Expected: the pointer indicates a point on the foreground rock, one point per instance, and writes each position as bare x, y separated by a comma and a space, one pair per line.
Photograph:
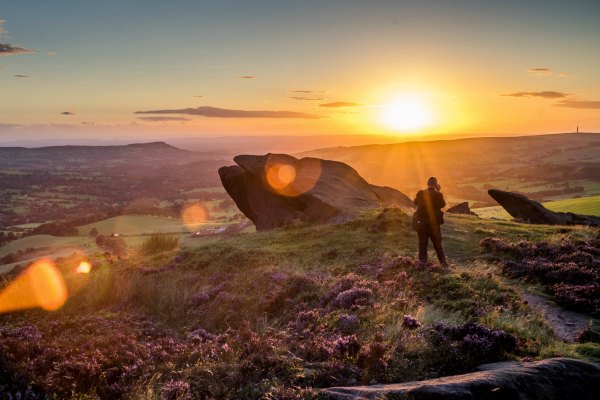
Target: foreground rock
276, 189
552, 379
520, 207
461, 208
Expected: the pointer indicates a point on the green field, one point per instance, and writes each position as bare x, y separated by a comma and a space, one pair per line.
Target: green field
44, 241
134, 229
584, 205
136, 225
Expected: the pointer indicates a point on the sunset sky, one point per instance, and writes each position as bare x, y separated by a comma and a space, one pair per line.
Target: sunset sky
140, 67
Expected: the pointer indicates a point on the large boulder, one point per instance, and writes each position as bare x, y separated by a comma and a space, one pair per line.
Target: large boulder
275, 189
552, 379
461, 208
520, 207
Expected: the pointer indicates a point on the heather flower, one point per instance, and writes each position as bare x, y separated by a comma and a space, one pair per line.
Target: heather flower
305, 320
203, 297
201, 335
176, 390
410, 322
353, 297
28, 333
371, 269
347, 323
199, 299
279, 276
346, 345
475, 340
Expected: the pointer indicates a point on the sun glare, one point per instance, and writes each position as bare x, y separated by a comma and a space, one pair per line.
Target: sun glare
194, 215
406, 113
41, 285
83, 268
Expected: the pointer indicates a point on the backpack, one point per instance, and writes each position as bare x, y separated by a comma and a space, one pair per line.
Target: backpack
417, 222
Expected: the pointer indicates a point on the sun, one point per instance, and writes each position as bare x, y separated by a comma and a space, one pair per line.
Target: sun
406, 113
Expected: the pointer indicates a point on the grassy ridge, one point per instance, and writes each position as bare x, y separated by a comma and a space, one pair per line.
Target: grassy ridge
253, 315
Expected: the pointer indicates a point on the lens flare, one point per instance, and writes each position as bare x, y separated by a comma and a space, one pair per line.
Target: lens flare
290, 177
194, 215
41, 285
281, 175
84, 267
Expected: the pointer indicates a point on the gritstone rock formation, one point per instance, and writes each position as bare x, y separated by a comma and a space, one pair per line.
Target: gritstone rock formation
461, 208
552, 379
275, 189
520, 207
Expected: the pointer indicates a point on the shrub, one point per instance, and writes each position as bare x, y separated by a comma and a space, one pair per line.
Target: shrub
158, 243
470, 344
570, 269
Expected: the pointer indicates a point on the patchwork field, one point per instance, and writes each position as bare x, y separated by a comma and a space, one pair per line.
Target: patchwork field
135, 225
43, 242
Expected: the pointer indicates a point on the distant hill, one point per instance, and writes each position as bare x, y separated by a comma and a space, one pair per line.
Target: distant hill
140, 154
545, 166
90, 183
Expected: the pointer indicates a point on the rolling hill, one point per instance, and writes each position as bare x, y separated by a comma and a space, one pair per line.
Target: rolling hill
141, 154
545, 167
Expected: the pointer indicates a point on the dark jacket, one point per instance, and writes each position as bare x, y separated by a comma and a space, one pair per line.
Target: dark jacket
429, 204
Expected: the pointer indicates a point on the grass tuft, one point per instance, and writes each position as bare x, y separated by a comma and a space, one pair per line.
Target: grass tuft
158, 243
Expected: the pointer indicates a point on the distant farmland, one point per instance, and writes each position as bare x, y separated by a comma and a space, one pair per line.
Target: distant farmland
135, 225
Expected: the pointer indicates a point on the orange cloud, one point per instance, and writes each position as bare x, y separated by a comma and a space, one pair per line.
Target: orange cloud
338, 104
306, 98
163, 119
216, 112
539, 72
308, 91
582, 104
546, 94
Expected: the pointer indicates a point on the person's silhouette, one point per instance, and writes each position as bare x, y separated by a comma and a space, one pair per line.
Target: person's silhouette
428, 218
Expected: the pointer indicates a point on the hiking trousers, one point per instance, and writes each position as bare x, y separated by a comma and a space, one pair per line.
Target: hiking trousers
433, 232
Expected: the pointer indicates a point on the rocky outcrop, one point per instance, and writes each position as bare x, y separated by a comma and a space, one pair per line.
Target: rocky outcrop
520, 207
552, 379
461, 208
275, 189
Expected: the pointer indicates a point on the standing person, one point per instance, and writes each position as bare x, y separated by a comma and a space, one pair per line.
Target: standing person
428, 218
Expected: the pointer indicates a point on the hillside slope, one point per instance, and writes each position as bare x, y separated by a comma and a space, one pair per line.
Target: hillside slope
545, 166
277, 314
145, 154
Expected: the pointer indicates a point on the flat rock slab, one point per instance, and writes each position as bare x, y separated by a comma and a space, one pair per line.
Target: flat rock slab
461, 208
522, 208
551, 379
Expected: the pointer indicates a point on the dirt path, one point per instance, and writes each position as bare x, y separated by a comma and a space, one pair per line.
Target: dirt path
566, 324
